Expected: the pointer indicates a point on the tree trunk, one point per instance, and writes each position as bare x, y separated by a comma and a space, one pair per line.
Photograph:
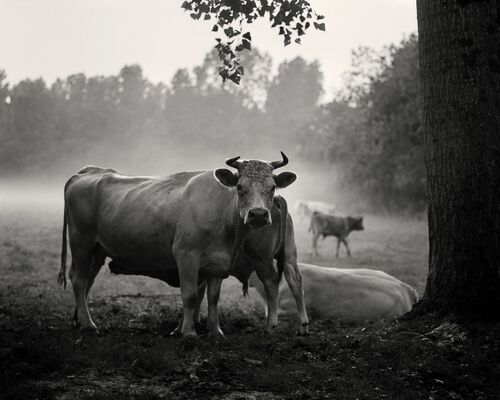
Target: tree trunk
459, 47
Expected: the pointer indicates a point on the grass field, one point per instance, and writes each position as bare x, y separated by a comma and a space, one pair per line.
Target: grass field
134, 356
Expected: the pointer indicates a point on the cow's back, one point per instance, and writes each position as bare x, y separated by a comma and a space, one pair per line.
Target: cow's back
132, 217
328, 225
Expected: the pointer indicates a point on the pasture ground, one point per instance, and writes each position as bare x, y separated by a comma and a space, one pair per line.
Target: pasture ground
135, 358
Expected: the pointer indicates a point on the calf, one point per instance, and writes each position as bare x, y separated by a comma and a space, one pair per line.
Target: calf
329, 225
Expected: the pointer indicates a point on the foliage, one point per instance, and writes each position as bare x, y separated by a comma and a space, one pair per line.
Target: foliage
292, 17
127, 121
372, 132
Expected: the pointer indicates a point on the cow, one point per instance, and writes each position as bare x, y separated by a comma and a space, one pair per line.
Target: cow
275, 241
347, 294
304, 208
329, 225
187, 229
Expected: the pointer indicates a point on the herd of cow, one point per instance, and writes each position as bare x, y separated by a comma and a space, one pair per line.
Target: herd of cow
193, 229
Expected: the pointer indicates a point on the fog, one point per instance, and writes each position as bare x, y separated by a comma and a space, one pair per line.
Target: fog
316, 181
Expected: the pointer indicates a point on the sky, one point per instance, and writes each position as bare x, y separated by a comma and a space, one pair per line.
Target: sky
56, 38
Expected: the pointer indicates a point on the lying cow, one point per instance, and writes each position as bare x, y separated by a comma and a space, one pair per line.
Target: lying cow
329, 225
348, 294
307, 208
186, 229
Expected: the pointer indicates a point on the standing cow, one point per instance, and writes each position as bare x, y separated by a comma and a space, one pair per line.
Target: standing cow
329, 225
261, 248
186, 228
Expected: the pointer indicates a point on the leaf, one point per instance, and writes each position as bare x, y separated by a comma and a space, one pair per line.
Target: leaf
187, 6
215, 28
235, 77
298, 40
321, 26
320, 17
195, 15
247, 45
247, 36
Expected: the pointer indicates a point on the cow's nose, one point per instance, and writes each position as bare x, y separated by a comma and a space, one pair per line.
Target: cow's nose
260, 213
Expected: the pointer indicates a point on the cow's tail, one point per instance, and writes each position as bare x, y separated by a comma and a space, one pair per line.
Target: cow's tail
280, 257
61, 277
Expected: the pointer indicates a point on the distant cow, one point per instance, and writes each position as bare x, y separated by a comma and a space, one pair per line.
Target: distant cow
307, 208
186, 229
329, 225
348, 294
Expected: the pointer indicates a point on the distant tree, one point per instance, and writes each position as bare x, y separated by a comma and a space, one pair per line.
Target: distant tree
4, 103
29, 141
292, 17
372, 132
252, 90
292, 98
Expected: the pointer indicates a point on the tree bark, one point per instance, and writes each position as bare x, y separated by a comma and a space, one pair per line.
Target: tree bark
459, 50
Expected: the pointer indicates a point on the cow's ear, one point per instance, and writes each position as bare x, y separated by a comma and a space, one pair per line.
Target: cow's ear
225, 177
284, 179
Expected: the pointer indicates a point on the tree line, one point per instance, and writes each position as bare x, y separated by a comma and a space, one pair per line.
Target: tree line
370, 132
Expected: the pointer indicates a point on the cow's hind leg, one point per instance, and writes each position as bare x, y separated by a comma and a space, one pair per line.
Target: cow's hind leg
338, 247
80, 274
98, 259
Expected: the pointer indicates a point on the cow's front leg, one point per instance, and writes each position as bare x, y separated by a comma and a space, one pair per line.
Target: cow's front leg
344, 240
189, 265
294, 279
270, 279
201, 294
202, 287
213, 294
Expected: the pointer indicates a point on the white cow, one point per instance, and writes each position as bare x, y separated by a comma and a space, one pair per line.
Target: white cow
348, 294
306, 208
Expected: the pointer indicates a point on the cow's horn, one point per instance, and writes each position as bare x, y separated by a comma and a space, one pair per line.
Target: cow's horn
279, 164
233, 162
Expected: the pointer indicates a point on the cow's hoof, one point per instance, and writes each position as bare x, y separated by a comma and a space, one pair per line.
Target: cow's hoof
216, 335
190, 335
271, 329
303, 331
86, 333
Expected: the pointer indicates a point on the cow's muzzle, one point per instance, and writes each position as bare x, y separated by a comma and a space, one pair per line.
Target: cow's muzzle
258, 217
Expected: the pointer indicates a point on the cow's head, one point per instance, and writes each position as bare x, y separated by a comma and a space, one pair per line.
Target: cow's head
255, 184
355, 223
